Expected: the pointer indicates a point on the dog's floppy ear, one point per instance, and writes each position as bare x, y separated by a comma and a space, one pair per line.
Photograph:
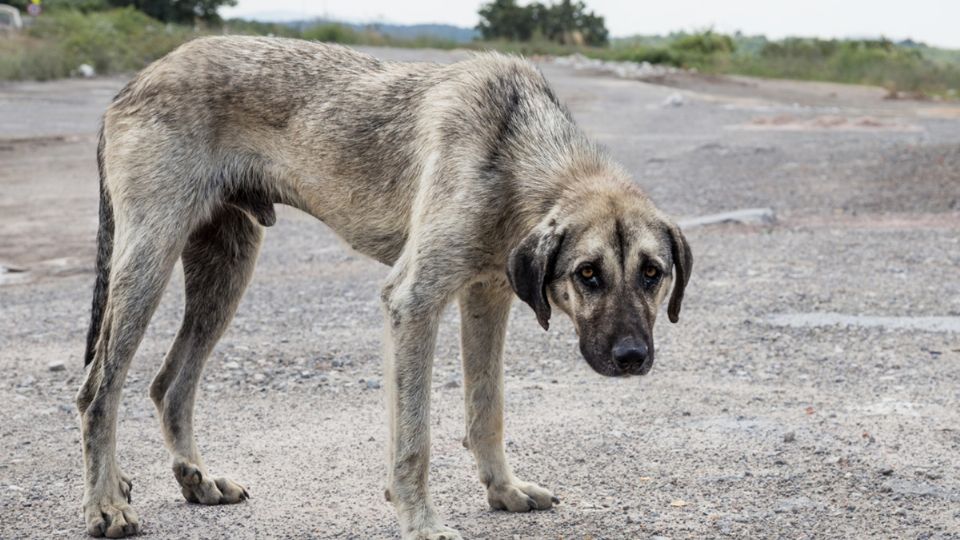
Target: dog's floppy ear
531, 267
683, 262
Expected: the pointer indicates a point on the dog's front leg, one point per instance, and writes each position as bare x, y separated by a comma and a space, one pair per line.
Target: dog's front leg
411, 317
484, 308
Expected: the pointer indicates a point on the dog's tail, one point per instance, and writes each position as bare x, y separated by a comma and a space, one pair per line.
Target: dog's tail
104, 253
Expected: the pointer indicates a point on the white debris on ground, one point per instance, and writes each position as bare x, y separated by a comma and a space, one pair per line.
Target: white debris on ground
86, 71
747, 216
624, 70
674, 100
12, 274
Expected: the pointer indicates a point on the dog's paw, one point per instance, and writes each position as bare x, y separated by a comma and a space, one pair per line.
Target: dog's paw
111, 518
437, 532
518, 496
201, 488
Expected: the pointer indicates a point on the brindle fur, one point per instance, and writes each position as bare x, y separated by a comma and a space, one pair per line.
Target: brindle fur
471, 180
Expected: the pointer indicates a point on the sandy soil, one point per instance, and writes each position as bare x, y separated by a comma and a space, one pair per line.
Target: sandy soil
751, 425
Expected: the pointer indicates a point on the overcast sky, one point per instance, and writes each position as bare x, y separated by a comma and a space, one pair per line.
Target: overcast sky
934, 21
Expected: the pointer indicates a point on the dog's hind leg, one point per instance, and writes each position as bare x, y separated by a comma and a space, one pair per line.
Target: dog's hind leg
218, 262
144, 254
484, 308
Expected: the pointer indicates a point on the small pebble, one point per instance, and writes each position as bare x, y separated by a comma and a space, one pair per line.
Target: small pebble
789, 437
56, 365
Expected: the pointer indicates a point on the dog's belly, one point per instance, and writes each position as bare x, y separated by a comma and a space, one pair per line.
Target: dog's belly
383, 246
370, 216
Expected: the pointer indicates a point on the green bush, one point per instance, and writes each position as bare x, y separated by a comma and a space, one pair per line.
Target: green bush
110, 41
703, 43
874, 62
652, 55
332, 33
54, 5
701, 50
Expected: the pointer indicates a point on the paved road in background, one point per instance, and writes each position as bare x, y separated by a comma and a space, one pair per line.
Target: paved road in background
808, 391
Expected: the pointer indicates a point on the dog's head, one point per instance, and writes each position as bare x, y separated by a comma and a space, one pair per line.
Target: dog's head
608, 261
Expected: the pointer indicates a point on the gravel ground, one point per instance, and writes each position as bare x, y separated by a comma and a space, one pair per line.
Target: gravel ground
749, 426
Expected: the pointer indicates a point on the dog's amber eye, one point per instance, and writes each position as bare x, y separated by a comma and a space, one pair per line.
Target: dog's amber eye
651, 272
589, 276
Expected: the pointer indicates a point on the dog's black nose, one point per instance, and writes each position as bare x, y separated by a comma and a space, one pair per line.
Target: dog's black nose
630, 354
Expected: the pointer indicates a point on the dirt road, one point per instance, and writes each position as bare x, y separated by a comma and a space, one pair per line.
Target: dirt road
811, 389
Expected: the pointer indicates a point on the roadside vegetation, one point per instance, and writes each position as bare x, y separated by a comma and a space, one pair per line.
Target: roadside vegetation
114, 39
905, 67
59, 42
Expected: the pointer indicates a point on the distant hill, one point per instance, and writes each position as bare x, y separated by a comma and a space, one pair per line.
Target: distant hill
446, 32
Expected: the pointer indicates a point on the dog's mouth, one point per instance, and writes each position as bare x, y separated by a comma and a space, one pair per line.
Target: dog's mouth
609, 368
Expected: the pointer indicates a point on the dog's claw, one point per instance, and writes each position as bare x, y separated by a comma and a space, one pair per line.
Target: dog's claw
189, 496
126, 487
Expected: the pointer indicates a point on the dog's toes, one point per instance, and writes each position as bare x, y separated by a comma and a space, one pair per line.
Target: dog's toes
200, 488
231, 492
520, 497
111, 520
96, 526
187, 474
189, 495
436, 532
511, 499
108, 513
543, 497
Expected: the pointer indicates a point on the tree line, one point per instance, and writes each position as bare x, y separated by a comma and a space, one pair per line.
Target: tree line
565, 22
174, 11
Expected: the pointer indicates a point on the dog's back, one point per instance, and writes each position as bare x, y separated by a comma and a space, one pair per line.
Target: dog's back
263, 120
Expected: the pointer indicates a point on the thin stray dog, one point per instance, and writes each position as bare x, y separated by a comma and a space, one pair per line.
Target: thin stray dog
471, 180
